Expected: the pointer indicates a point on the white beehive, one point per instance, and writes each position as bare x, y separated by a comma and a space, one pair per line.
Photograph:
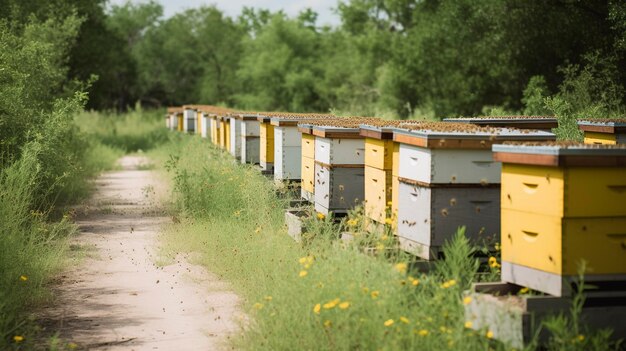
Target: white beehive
235, 138
250, 133
189, 120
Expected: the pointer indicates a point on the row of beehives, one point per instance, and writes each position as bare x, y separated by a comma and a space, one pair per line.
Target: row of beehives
555, 204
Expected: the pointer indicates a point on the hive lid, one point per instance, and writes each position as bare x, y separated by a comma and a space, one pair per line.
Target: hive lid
245, 116
340, 127
448, 135
521, 122
293, 120
383, 129
560, 154
610, 126
173, 110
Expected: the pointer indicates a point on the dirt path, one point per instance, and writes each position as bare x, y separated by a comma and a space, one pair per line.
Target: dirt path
117, 298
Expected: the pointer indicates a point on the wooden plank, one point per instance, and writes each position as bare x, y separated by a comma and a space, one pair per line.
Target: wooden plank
374, 134
562, 160
526, 159
450, 185
340, 165
336, 135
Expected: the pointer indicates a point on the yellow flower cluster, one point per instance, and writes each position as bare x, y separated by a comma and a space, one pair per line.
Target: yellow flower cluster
331, 304
352, 222
493, 262
306, 263
448, 284
23, 278
321, 216
400, 267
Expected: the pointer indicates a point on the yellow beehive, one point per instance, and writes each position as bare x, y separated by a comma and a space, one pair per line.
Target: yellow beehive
266, 156
604, 131
562, 204
180, 119
226, 124
381, 167
308, 163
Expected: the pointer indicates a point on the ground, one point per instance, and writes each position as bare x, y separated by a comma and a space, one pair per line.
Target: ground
117, 297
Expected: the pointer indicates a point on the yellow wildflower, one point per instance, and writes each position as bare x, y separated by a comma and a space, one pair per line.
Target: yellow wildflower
328, 324
302, 260
450, 283
320, 216
580, 338
23, 278
237, 213
72, 346
18, 338
257, 230
375, 294
405, 320
258, 306
415, 282
388, 221
489, 334
317, 308
268, 298
389, 203
493, 262
400, 267
366, 290
497, 246
468, 324
524, 290
388, 322
331, 304
352, 223
344, 305
303, 274
467, 300
380, 247
422, 332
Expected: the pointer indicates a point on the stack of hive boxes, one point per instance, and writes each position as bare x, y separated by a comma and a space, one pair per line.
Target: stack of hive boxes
189, 119
339, 164
605, 131
288, 143
381, 169
562, 203
447, 179
307, 169
235, 137
266, 143
545, 123
250, 133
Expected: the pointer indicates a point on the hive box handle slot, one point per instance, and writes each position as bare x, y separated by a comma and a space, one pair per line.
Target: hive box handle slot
530, 236
617, 188
483, 163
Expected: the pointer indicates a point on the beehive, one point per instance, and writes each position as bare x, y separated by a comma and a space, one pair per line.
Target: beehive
215, 129
545, 123
226, 124
380, 180
180, 124
339, 156
250, 132
562, 203
288, 143
235, 137
266, 143
307, 189
447, 178
205, 125
189, 120
604, 131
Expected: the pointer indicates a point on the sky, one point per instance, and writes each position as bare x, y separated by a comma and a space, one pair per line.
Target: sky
233, 7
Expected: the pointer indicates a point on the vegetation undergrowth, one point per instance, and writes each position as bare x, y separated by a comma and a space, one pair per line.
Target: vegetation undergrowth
324, 293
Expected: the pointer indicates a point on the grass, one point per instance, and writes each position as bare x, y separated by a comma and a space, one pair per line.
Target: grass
322, 294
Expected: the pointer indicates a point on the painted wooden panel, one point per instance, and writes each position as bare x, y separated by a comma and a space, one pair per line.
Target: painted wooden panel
448, 166
308, 174
308, 146
338, 189
266, 144
227, 135
340, 151
558, 245
565, 192
235, 138
198, 121
287, 163
379, 153
222, 133
395, 166
600, 138
250, 128
205, 126
250, 150
181, 123
430, 216
377, 193
288, 135
189, 121
395, 189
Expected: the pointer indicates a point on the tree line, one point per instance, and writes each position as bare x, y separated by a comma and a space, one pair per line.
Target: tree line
404, 57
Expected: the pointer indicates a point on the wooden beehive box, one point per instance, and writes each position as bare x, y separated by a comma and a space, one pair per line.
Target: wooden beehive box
339, 167
545, 123
266, 143
235, 137
189, 120
288, 143
562, 203
381, 178
447, 178
307, 173
604, 131
250, 133
215, 129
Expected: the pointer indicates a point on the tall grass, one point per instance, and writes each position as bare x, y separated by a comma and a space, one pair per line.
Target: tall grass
323, 294
31, 248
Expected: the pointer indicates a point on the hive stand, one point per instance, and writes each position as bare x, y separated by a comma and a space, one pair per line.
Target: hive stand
545, 123
448, 179
515, 318
608, 131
